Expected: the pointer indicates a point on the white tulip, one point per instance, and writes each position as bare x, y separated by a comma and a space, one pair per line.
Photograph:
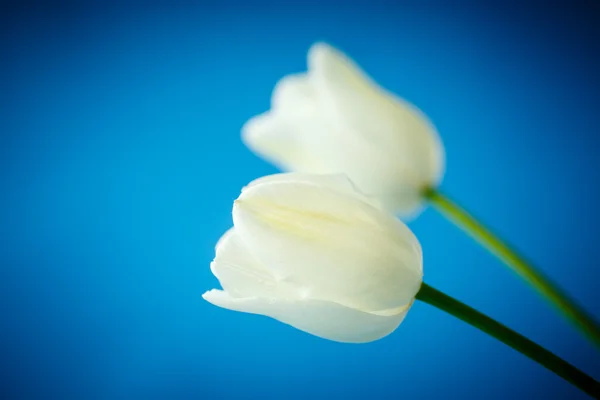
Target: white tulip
313, 252
335, 119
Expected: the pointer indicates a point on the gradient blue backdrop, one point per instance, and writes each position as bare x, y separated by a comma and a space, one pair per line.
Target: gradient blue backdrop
120, 158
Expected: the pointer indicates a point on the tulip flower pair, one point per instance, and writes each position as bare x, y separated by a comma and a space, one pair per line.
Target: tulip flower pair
320, 249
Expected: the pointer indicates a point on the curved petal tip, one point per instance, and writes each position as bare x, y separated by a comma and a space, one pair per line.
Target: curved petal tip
320, 53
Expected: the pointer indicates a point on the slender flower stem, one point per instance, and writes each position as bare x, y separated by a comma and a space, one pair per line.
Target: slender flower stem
434, 297
577, 315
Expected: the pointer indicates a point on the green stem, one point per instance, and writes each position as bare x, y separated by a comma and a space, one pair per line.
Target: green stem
434, 297
577, 315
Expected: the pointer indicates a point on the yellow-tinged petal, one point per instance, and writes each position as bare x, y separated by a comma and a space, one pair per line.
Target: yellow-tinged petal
336, 182
333, 243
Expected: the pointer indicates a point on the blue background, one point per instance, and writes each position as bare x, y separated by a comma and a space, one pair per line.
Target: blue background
120, 157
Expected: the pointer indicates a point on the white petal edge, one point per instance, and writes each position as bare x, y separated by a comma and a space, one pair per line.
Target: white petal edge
327, 320
290, 143
338, 182
324, 59
290, 134
241, 275
294, 95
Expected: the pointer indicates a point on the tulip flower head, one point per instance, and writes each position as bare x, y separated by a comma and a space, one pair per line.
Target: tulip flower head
313, 252
335, 119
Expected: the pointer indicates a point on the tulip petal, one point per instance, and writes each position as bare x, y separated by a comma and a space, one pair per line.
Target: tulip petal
363, 105
338, 182
324, 319
284, 142
287, 135
295, 135
294, 95
394, 150
241, 275
312, 235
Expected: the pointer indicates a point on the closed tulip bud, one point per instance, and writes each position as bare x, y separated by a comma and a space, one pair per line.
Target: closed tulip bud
313, 252
335, 119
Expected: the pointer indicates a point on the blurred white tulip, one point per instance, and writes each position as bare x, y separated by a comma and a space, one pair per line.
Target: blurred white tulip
313, 252
335, 119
